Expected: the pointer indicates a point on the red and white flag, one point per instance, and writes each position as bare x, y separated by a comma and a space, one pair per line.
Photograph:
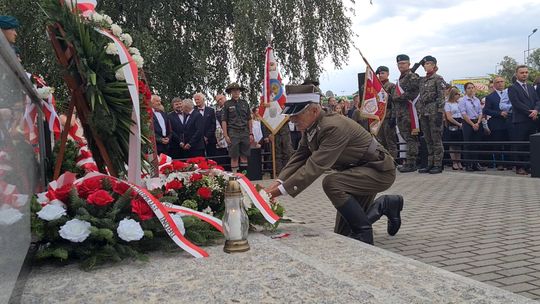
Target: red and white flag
374, 101
273, 97
411, 106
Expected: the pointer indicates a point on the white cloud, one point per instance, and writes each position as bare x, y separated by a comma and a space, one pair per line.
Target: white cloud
468, 38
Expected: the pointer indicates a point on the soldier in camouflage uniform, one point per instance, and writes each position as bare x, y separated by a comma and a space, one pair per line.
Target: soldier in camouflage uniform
387, 133
430, 107
407, 91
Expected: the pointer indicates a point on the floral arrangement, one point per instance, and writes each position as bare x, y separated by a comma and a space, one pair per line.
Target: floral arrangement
99, 219
106, 90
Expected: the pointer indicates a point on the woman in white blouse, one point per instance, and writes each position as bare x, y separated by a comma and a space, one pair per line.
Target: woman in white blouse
453, 132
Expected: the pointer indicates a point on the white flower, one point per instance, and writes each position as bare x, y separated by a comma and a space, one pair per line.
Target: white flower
208, 210
177, 219
134, 51
97, 17
120, 76
265, 195
9, 216
116, 29
126, 38
51, 212
107, 19
75, 230
58, 203
111, 49
42, 198
44, 92
138, 60
130, 230
153, 183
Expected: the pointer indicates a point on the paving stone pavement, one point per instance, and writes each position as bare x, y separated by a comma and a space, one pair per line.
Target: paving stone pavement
485, 227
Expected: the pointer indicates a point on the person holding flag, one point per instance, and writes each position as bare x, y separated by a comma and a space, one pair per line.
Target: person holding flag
404, 97
362, 166
387, 134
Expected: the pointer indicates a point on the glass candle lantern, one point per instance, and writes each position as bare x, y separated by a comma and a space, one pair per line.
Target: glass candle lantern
235, 219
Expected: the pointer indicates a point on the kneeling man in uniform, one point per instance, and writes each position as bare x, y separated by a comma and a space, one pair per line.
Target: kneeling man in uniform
361, 166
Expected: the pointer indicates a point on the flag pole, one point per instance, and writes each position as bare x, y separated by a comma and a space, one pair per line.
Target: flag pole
274, 156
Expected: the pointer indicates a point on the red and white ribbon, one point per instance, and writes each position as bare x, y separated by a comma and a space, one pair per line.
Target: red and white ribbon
257, 199
411, 106
215, 222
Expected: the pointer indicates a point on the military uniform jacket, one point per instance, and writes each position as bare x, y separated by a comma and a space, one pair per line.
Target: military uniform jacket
237, 115
409, 83
333, 142
389, 88
431, 98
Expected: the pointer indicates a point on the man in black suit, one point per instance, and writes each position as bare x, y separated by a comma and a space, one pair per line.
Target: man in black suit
177, 139
497, 122
162, 127
209, 124
193, 126
525, 105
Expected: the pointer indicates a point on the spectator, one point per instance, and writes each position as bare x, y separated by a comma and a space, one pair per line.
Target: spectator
354, 106
209, 124
220, 102
340, 108
537, 86
162, 127
471, 110
453, 131
498, 119
193, 125
176, 119
221, 143
237, 127
332, 103
9, 26
526, 105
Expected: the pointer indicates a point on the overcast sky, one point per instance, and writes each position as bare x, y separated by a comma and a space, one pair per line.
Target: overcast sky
468, 37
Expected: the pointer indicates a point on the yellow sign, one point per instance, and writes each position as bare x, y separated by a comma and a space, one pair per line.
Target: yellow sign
481, 83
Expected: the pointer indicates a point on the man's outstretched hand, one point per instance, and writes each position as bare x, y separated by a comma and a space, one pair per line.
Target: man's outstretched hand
273, 190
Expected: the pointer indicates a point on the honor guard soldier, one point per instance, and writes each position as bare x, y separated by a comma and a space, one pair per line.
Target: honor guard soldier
430, 107
362, 166
387, 134
405, 92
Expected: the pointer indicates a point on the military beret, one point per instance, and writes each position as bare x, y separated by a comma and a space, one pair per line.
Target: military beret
429, 58
298, 97
8, 22
382, 68
402, 57
234, 86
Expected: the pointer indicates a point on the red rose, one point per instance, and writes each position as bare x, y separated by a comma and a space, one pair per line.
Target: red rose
196, 160
141, 208
204, 193
219, 168
165, 169
120, 187
100, 198
203, 165
61, 193
211, 162
174, 185
195, 177
89, 186
179, 165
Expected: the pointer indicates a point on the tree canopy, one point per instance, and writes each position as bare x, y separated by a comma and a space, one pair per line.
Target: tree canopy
202, 45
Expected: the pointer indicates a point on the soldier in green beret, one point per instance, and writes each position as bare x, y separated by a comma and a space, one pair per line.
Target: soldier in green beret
362, 167
387, 134
237, 127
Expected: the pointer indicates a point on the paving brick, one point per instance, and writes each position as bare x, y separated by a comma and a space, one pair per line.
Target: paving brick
457, 267
484, 269
515, 279
488, 276
488, 262
515, 264
515, 271
520, 287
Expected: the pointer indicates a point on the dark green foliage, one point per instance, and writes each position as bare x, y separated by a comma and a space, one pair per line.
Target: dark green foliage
70, 158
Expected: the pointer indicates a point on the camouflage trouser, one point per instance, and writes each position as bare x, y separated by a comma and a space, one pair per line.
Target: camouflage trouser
404, 125
387, 137
431, 127
283, 148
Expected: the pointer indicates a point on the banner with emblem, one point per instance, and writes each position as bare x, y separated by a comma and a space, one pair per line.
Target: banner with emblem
273, 94
374, 101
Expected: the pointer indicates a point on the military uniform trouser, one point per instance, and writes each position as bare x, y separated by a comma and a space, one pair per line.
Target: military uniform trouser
362, 183
283, 149
388, 138
431, 127
404, 125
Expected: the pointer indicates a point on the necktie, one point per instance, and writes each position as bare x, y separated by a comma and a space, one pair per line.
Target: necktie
525, 88
186, 116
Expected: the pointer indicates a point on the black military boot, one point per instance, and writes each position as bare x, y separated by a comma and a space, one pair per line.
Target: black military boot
407, 168
355, 216
389, 205
436, 170
425, 169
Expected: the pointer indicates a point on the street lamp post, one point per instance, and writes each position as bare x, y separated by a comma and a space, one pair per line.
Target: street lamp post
529, 45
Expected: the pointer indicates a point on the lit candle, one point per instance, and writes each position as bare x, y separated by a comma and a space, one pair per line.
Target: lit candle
235, 225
